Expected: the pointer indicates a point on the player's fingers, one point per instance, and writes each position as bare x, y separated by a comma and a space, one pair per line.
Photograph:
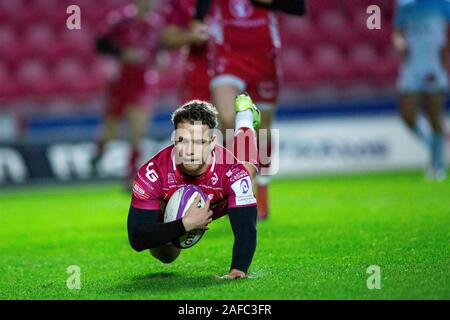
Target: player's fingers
207, 203
196, 201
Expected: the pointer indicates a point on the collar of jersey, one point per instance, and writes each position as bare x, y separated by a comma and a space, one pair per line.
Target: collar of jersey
197, 179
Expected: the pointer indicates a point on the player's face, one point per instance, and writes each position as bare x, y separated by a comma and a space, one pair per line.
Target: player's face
193, 145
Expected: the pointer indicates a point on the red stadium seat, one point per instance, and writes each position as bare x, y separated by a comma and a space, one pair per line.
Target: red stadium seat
298, 31
379, 36
39, 38
297, 70
69, 74
9, 87
33, 77
317, 7
388, 69
7, 37
335, 28
332, 65
364, 60
47, 5
4, 72
77, 41
12, 6
5, 81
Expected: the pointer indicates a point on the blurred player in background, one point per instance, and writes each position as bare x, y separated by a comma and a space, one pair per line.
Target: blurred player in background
195, 158
421, 37
131, 35
246, 59
182, 31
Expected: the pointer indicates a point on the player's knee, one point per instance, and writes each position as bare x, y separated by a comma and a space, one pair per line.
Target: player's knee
167, 259
409, 119
166, 254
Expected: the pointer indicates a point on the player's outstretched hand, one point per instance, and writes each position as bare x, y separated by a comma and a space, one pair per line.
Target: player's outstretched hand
198, 33
197, 218
234, 274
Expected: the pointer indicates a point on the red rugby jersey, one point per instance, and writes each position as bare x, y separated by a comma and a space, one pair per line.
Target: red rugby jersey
226, 182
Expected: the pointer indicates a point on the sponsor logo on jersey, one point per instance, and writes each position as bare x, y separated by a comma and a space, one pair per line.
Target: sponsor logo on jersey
140, 192
238, 174
171, 178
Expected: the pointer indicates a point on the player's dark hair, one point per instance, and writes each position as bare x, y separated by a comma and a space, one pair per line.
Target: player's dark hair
196, 110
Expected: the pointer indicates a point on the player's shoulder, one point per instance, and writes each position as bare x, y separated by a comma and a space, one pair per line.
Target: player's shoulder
235, 180
161, 160
228, 167
150, 176
224, 158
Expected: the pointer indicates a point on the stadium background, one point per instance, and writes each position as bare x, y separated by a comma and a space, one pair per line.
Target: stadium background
337, 112
340, 92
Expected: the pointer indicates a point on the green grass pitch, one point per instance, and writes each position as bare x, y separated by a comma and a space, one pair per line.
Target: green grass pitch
322, 235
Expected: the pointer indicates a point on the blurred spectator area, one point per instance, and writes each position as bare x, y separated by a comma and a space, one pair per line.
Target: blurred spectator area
42, 61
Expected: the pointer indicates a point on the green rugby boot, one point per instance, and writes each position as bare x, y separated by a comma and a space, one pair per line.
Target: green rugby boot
243, 102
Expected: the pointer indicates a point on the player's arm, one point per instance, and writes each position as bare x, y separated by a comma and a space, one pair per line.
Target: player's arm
145, 232
173, 36
242, 213
294, 7
201, 9
445, 51
105, 46
398, 36
243, 224
399, 41
128, 54
144, 229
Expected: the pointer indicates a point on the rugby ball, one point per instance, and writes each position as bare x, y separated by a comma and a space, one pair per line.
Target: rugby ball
176, 207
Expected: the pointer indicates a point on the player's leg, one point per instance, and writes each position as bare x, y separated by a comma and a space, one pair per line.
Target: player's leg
166, 253
434, 104
224, 89
265, 149
247, 121
110, 128
409, 107
111, 121
138, 118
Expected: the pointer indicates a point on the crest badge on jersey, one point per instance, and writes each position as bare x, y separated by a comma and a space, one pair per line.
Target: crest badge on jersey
241, 9
214, 179
242, 189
